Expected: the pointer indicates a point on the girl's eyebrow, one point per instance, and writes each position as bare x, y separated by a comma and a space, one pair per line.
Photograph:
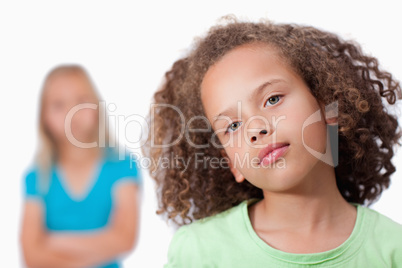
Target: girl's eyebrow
231, 110
256, 92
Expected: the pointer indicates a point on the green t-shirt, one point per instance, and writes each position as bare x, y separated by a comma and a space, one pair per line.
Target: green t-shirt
228, 240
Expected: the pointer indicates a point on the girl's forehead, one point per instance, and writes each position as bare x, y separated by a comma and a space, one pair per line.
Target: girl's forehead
241, 54
67, 84
242, 62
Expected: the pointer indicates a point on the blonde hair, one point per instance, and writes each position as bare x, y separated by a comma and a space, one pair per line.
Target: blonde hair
46, 151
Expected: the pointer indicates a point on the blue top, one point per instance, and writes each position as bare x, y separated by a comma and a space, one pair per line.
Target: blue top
65, 211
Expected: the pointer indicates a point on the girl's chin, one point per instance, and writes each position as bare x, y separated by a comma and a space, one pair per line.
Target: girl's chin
279, 184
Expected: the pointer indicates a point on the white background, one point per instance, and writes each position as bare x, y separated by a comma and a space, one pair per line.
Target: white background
127, 46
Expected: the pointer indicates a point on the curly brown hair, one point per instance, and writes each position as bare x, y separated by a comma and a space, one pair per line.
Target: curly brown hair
333, 69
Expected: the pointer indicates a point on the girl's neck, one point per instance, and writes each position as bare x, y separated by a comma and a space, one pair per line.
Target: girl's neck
69, 154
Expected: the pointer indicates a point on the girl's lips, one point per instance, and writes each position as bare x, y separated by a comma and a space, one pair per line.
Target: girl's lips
272, 152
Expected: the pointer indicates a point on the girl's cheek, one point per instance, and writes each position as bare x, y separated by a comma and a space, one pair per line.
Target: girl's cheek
55, 123
86, 116
315, 136
84, 123
234, 154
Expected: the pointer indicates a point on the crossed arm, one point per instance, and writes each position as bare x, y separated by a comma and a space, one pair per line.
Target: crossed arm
42, 249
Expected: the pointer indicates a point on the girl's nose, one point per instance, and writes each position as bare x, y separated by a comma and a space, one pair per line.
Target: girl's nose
261, 133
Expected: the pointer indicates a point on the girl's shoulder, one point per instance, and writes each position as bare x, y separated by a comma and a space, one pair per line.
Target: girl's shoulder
30, 173
227, 220
208, 236
30, 177
121, 166
33, 187
383, 235
382, 225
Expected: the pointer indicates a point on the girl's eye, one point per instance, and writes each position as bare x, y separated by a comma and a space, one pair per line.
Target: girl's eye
233, 127
272, 100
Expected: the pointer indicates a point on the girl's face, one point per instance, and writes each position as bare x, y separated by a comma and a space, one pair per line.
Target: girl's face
62, 93
255, 101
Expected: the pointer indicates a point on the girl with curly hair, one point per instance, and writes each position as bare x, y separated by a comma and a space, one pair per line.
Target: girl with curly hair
243, 147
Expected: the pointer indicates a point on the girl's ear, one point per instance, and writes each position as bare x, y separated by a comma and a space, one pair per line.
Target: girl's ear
236, 173
330, 113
